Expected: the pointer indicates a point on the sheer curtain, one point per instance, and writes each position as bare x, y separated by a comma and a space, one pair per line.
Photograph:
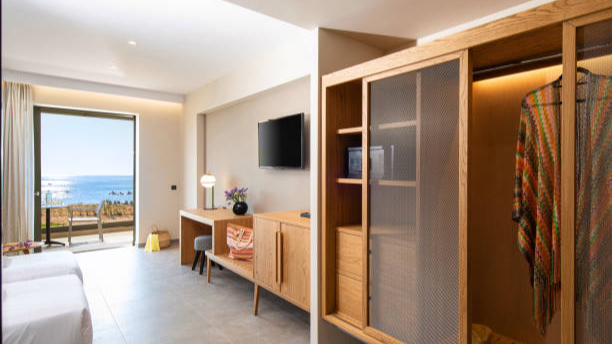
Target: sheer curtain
17, 162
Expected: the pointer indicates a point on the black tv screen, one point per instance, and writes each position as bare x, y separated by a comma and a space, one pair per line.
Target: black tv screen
281, 142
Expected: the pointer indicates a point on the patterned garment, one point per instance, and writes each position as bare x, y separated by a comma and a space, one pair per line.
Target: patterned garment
594, 207
537, 203
537, 199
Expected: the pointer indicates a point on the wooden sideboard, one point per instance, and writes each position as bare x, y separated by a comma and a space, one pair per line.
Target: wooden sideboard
282, 255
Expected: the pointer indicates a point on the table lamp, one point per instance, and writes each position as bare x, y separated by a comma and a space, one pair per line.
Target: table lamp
208, 181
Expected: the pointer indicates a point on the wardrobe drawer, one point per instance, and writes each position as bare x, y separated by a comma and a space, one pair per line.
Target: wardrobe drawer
349, 255
349, 299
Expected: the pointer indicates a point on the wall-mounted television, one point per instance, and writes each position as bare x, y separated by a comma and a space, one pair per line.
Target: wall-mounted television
281, 142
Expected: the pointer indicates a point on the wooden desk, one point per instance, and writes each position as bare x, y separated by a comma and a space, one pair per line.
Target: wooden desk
196, 222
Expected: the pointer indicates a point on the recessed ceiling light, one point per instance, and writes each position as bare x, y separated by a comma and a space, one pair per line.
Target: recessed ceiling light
132, 42
113, 67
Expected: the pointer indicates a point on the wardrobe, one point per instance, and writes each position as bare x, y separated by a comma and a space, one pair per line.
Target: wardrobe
422, 248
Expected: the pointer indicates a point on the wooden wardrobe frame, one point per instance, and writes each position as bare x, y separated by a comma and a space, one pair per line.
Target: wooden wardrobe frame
568, 14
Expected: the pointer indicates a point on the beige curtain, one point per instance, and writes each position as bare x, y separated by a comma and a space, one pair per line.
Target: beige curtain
17, 162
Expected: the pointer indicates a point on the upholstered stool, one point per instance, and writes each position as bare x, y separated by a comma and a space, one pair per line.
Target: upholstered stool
200, 245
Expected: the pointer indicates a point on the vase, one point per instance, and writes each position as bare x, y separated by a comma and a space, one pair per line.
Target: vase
240, 208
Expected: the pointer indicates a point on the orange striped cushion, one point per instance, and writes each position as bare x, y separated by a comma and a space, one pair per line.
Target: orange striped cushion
240, 242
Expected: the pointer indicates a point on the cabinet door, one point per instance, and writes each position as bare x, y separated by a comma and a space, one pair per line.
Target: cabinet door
295, 264
412, 210
590, 141
266, 253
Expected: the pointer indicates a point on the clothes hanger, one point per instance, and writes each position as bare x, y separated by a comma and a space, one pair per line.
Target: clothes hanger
579, 70
557, 84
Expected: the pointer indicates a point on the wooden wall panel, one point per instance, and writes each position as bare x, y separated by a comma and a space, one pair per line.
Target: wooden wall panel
499, 281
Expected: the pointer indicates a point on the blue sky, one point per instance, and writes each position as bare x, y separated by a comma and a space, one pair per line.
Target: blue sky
79, 145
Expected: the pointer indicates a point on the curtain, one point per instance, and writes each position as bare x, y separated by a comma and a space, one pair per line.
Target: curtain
17, 162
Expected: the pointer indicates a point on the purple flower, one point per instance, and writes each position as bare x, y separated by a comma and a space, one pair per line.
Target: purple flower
236, 195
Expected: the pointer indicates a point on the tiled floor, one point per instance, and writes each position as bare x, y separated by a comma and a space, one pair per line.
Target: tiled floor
138, 297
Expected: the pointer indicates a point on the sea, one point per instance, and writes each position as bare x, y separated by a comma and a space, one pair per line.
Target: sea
69, 190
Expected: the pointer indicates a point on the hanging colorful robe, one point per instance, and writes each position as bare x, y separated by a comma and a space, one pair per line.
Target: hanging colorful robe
537, 203
537, 199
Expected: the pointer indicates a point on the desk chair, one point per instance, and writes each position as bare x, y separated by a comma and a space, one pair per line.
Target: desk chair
200, 245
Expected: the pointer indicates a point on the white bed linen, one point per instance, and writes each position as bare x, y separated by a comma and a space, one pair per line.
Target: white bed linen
47, 310
40, 265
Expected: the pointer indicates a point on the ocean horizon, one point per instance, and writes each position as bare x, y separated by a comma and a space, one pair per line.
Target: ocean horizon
86, 189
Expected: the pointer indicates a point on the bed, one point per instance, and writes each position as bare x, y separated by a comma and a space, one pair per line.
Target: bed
40, 265
47, 310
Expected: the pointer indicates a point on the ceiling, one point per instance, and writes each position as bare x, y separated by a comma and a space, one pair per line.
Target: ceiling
402, 18
181, 45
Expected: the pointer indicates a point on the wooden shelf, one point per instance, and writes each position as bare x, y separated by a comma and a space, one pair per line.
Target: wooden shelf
395, 125
349, 181
402, 183
350, 229
241, 267
350, 131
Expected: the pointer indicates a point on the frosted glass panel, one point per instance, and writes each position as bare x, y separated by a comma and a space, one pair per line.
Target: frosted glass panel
413, 211
594, 185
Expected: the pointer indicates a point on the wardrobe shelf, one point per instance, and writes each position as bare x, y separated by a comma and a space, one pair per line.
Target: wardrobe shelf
350, 229
349, 181
395, 125
350, 131
402, 183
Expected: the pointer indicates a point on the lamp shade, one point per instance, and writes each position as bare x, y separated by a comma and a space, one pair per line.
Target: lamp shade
208, 181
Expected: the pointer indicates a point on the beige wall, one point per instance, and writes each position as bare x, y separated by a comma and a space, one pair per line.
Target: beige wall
282, 65
232, 155
159, 163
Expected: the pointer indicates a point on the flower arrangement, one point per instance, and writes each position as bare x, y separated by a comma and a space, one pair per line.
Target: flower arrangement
236, 195
21, 244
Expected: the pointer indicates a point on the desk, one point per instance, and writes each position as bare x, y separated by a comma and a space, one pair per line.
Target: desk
48, 208
196, 222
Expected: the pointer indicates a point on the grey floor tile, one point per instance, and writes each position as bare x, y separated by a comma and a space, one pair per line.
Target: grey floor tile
137, 297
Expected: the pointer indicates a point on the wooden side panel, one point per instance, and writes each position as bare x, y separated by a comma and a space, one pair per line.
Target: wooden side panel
568, 144
189, 230
365, 202
295, 264
264, 246
349, 301
465, 108
349, 254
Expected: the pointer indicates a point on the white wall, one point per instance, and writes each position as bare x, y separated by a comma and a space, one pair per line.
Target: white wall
276, 68
232, 154
159, 161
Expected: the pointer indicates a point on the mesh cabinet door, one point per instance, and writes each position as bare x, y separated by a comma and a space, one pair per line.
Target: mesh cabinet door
593, 191
413, 205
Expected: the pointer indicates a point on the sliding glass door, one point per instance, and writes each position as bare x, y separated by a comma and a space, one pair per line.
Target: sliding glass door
85, 178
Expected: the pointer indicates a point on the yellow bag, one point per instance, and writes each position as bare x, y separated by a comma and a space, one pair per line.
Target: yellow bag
152, 243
